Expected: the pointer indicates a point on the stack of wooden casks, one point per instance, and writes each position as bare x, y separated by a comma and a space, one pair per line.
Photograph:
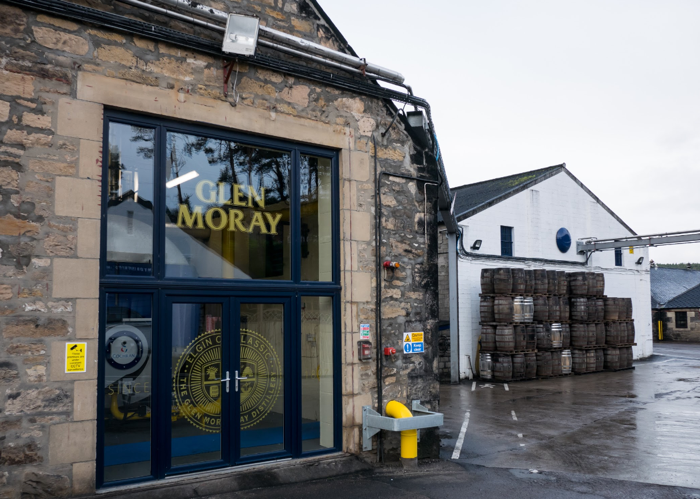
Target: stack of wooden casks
552, 315
599, 325
509, 331
541, 323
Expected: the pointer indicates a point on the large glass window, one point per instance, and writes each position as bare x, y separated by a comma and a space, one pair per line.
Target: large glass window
227, 208
127, 386
317, 372
130, 161
316, 219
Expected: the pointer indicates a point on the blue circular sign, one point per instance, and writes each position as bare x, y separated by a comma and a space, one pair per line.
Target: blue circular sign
563, 240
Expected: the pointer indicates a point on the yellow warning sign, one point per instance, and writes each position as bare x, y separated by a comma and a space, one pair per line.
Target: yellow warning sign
407, 338
416, 337
75, 357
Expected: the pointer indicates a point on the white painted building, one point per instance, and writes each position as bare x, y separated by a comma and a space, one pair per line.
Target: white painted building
531, 208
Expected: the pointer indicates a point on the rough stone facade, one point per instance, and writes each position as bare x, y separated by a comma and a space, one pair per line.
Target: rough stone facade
444, 294
56, 78
671, 331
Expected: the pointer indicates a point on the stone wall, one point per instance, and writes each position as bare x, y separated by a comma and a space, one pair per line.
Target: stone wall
56, 78
671, 332
444, 293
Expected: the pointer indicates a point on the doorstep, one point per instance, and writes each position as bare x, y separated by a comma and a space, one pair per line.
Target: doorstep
254, 476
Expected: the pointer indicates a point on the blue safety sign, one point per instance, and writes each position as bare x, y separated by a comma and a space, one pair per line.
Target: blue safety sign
417, 347
407, 348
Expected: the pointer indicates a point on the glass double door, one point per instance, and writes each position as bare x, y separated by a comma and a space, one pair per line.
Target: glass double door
230, 383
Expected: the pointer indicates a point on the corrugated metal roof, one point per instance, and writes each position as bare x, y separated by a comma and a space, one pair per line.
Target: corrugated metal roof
668, 284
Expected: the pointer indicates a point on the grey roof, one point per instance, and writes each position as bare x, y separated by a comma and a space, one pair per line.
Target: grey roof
669, 284
471, 199
689, 299
489, 192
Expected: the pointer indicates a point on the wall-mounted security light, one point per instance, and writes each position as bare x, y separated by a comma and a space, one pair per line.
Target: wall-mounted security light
640, 260
476, 245
241, 35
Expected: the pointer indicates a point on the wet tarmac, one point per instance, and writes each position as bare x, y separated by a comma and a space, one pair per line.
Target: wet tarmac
641, 425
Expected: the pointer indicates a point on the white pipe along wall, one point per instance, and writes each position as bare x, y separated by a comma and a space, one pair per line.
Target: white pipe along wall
536, 214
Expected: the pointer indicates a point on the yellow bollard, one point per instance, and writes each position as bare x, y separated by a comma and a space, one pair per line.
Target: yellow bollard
409, 438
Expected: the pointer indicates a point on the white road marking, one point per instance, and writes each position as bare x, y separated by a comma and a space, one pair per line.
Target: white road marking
520, 435
474, 386
460, 439
487, 385
522, 445
515, 418
505, 385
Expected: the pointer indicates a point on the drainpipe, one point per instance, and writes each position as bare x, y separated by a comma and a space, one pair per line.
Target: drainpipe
454, 306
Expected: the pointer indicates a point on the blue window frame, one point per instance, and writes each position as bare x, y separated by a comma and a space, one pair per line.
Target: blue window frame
506, 241
138, 283
618, 257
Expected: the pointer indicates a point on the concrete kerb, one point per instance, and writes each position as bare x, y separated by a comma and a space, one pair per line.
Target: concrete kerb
239, 479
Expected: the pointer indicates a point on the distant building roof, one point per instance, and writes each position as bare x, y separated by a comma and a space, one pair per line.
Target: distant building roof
667, 285
689, 299
471, 199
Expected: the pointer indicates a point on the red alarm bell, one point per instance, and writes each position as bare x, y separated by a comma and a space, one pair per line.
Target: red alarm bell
389, 351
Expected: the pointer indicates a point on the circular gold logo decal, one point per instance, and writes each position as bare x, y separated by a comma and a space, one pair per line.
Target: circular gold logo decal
198, 386
198, 382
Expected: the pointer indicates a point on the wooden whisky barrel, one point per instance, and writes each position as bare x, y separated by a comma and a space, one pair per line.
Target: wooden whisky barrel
540, 281
600, 283
590, 361
579, 309
578, 361
556, 363
599, 359
486, 309
544, 364
530, 337
518, 277
551, 282
518, 366
612, 333
565, 313
591, 283
612, 358
544, 336
600, 334
530, 365
579, 335
488, 339
502, 367
554, 309
505, 339
577, 283
591, 334
503, 309
502, 281
529, 281
520, 337
541, 312
487, 281
562, 283
565, 336
599, 310
611, 309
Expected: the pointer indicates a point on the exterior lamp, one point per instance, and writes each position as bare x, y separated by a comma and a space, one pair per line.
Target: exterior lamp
640, 260
241, 35
476, 245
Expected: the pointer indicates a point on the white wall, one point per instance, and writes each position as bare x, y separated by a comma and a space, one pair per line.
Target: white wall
536, 215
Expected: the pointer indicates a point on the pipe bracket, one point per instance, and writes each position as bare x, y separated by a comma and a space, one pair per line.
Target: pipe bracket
372, 422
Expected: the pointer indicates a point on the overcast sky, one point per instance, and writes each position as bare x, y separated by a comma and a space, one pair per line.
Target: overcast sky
609, 87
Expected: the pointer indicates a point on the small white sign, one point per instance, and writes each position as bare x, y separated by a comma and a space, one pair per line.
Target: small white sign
413, 343
364, 331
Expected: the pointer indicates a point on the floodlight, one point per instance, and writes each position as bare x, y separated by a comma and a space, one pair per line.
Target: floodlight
476, 245
241, 35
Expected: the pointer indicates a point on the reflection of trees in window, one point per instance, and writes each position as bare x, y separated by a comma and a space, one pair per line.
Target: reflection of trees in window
243, 165
145, 140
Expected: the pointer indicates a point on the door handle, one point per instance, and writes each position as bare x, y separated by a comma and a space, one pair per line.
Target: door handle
226, 379
236, 377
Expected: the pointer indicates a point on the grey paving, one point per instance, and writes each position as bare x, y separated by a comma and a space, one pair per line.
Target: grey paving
641, 425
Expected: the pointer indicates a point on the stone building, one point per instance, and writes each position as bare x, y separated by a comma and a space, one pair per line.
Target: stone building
675, 304
514, 221
192, 243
